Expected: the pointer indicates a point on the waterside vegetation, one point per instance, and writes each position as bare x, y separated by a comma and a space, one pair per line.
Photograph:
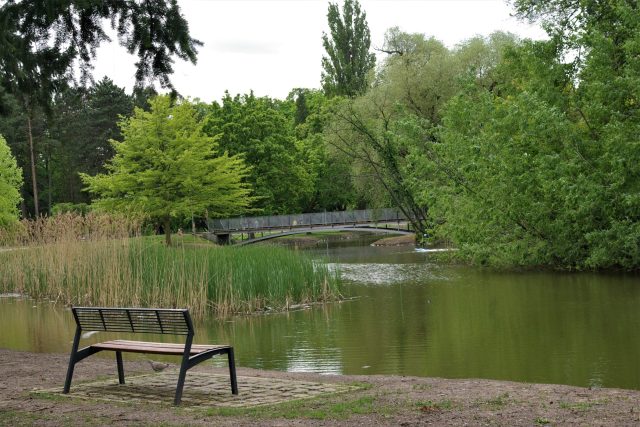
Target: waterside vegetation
138, 271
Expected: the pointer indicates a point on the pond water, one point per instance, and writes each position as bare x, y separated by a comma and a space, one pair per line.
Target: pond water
413, 317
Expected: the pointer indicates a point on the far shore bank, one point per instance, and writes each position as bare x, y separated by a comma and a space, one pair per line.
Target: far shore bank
312, 239
378, 400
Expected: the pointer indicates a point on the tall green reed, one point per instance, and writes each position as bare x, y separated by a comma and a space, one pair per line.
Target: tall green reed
78, 262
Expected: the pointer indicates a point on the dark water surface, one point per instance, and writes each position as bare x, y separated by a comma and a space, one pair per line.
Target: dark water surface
413, 317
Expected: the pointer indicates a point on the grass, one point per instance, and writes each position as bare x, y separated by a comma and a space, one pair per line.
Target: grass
49, 396
340, 406
578, 406
499, 401
16, 418
421, 387
316, 409
91, 266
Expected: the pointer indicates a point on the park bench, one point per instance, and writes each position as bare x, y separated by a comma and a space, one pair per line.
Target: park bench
144, 320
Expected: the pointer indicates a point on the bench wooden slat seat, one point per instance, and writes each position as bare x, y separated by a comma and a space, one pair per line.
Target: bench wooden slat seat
144, 320
155, 347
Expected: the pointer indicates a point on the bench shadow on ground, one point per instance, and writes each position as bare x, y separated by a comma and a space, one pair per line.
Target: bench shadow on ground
202, 389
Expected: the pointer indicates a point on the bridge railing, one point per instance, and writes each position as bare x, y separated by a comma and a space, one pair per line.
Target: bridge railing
254, 223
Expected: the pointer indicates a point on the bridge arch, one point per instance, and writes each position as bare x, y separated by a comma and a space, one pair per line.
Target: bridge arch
357, 220
282, 233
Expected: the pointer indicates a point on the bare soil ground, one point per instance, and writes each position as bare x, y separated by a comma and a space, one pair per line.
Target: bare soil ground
380, 400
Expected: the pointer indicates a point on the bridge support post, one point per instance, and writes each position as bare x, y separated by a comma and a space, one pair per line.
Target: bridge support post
223, 239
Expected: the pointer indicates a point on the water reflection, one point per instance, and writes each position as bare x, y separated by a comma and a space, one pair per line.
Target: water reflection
413, 317
388, 274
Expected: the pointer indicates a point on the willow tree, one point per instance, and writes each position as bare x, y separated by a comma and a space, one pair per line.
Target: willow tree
349, 61
167, 168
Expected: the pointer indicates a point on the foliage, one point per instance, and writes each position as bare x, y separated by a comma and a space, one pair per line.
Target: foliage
40, 41
82, 124
261, 132
10, 182
545, 161
25, 131
13, 128
72, 138
166, 167
349, 60
333, 187
364, 133
389, 133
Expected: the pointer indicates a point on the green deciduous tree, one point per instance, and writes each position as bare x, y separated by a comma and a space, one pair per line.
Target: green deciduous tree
167, 168
390, 131
329, 170
10, 183
349, 61
546, 159
261, 131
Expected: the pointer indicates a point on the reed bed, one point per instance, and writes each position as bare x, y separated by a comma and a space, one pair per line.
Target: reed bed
69, 227
102, 270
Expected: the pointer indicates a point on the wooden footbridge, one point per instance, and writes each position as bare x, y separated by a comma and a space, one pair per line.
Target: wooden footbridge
259, 228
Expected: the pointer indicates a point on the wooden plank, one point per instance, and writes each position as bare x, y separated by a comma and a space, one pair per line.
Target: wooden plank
154, 347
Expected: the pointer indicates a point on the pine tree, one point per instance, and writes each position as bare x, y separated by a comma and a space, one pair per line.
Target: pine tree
41, 40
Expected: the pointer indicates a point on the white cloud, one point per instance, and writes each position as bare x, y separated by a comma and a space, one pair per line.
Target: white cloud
273, 46
242, 47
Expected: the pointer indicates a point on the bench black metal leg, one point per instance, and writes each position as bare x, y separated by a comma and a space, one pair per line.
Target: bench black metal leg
183, 369
120, 367
232, 372
72, 361
180, 386
67, 382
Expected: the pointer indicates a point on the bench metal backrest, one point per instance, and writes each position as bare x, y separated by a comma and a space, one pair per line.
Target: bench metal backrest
145, 320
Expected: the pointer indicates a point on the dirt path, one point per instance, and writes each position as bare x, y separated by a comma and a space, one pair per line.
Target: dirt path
374, 400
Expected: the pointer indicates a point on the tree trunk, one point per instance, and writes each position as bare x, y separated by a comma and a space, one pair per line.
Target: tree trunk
23, 205
166, 224
34, 179
49, 182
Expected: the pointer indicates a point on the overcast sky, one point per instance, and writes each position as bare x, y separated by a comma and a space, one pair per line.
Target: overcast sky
271, 46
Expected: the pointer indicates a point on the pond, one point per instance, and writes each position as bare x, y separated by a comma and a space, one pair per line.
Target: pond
410, 316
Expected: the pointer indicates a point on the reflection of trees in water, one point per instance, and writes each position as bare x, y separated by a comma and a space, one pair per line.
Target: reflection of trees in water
459, 323
31, 326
